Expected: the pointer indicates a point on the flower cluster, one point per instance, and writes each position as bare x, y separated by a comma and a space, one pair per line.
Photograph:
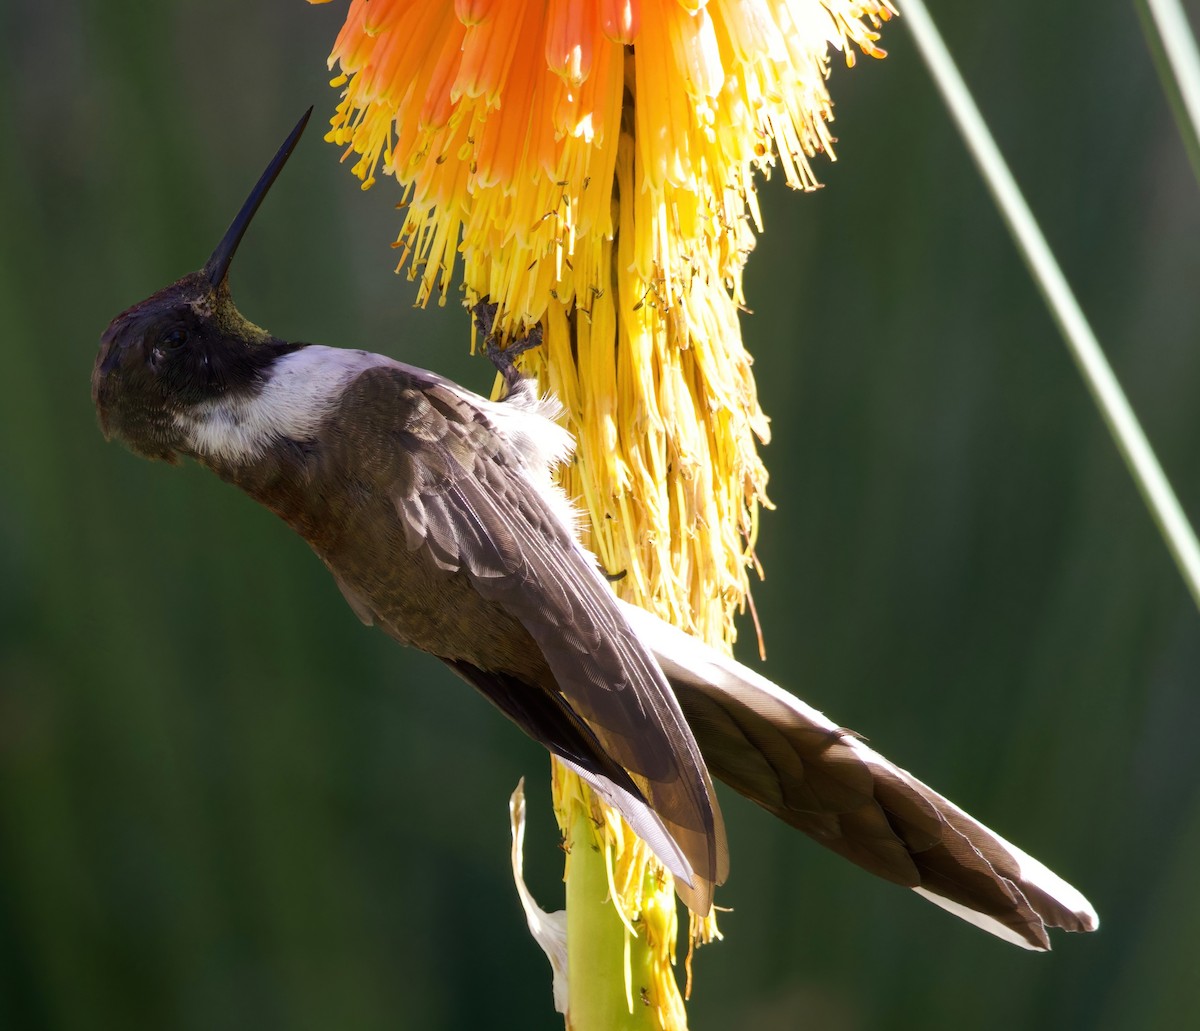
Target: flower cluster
588, 165
503, 119
591, 163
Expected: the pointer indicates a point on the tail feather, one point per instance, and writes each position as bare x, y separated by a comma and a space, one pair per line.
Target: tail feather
794, 762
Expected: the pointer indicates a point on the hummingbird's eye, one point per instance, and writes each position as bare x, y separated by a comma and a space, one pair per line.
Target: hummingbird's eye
173, 338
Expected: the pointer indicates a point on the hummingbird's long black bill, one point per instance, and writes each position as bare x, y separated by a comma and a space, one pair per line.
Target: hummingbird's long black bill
218, 265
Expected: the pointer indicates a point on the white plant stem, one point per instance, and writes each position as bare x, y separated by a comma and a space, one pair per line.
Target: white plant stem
1080, 339
1179, 45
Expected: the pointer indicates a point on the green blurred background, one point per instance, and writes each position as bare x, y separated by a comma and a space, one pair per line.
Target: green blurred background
225, 804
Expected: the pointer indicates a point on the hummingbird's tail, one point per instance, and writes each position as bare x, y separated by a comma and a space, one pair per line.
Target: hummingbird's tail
771, 747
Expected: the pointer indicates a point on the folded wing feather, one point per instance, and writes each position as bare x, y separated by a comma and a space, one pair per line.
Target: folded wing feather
794, 762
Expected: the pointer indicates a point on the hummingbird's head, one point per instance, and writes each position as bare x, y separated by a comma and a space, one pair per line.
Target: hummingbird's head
185, 347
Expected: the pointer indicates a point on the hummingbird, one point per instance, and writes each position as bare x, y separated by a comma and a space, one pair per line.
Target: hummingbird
436, 511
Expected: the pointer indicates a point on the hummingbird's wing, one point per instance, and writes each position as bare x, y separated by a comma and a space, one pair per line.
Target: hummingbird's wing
551, 722
794, 762
470, 502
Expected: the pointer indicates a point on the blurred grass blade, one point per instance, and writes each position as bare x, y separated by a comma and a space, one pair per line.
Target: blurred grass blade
1173, 47
1080, 340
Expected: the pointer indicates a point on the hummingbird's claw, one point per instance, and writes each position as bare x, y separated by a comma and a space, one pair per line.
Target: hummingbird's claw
503, 358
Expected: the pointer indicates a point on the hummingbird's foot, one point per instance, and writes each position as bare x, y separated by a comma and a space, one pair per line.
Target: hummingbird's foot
504, 359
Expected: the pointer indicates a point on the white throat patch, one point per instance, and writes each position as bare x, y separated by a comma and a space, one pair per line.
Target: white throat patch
301, 390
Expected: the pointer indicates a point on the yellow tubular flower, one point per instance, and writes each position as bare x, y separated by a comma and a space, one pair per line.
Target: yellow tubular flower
591, 162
